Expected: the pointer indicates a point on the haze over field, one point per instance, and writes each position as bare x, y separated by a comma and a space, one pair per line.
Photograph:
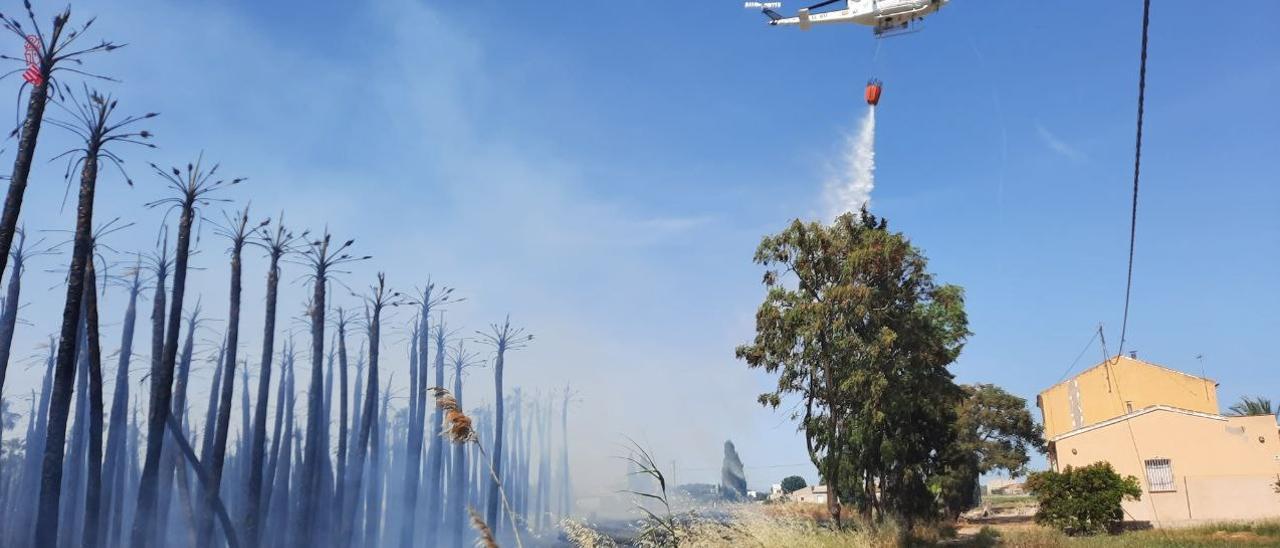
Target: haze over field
604, 175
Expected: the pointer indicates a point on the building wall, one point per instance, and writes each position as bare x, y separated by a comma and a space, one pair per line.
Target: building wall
1118, 386
1223, 467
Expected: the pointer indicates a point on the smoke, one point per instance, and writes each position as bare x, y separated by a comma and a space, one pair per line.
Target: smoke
850, 188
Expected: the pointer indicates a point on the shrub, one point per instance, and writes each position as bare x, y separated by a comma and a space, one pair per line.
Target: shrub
1083, 500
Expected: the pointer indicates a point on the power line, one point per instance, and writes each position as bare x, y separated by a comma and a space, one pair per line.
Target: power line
1081, 354
1137, 165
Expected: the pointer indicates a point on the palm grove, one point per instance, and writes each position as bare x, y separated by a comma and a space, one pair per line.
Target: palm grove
319, 455
860, 335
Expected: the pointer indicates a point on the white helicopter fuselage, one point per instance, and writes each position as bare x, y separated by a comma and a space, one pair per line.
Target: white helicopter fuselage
881, 14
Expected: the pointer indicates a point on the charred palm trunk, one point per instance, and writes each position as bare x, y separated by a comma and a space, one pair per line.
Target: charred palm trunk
315, 450
267, 487
413, 445
238, 235
162, 389
494, 494
21, 517
253, 513
435, 456
9, 316
211, 409
26, 152
93, 489
46, 530
369, 415
458, 473
113, 467
73, 468
341, 470
566, 487
381, 456
171, 459
277, 511
192, 188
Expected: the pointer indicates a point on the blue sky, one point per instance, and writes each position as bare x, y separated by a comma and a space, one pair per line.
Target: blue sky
603, 171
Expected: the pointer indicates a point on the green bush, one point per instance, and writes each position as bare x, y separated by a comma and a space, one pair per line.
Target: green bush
1083, 500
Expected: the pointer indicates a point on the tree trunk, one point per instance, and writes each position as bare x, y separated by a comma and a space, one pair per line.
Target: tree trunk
495, 488
566, 485
180, 441
413, 445
73, 468
455, 520
367, 419
46, 531
22, 165
9, 317
267, 487
225, 398
170, 459
93, 491
253, 507
211, 410
162, 388
341, 471
435, 456
315, 451
117, 430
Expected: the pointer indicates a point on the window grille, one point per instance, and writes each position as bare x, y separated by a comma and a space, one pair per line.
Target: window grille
1159, 475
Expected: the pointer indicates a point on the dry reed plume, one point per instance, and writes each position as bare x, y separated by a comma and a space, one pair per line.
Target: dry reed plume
486, 535
457, 429
457, 425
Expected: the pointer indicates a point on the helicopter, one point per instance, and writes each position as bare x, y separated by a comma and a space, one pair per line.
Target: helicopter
886, 17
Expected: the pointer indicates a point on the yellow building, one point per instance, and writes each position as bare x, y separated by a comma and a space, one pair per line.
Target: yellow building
1163, 427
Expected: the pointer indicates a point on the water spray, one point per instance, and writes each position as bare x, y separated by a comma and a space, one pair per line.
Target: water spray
851, 189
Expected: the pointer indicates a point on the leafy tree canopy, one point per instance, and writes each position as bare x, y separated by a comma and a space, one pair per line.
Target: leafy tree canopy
855, 326
791, 484
993, 431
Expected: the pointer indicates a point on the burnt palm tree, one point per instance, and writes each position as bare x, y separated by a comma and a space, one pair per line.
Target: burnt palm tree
50, 53
378, 299
93, 491
343, 434
429, 298
192, 188
502, 338
280, 431
323, 256
9, 314
113, 466
277, 242
237, 230
93, 120
458, 475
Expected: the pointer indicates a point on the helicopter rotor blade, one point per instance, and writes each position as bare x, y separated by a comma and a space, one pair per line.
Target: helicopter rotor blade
822, 4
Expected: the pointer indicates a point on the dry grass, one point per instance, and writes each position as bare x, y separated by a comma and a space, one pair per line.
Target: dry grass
581, 535
816, 513
782, 525
1266, 533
